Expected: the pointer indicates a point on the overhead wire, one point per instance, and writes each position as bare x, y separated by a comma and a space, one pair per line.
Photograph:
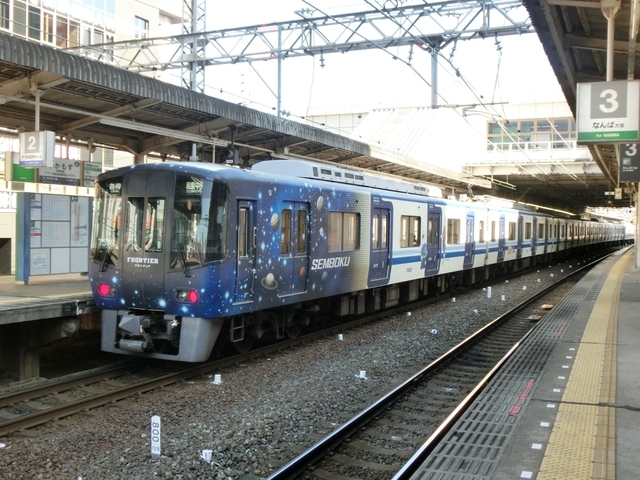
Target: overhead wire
544, 174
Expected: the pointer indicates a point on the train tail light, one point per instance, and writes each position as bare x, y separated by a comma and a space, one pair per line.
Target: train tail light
106, 290
187, 296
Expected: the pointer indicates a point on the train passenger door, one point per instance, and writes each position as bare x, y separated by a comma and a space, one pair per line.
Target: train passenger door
534, 236
294, 247
434, 228
470, 244
144, 248
520, 236
246, 268
379, 263
502, 239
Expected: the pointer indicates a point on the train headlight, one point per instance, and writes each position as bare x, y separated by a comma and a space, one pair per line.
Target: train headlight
106, 290
187, 296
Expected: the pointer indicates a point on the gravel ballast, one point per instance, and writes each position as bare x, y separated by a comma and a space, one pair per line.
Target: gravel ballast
263, 413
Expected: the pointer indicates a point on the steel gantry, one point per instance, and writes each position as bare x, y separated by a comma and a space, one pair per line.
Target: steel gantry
428, 26
194, 20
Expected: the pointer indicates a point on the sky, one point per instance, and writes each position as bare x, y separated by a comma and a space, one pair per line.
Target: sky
512, 69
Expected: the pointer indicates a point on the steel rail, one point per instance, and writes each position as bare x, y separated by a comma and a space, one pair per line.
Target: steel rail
302, 462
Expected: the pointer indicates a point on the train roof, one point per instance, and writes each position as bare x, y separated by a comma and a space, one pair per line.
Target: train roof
330, 173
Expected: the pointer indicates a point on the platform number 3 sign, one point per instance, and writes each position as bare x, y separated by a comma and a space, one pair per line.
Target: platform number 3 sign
608, 112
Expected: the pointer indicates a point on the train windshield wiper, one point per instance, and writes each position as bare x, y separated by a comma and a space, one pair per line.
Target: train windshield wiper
106, 253
183, 257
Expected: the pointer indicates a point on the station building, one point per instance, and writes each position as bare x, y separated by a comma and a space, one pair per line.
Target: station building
69, 25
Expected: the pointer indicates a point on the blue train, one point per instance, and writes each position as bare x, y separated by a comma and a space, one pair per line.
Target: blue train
185, 254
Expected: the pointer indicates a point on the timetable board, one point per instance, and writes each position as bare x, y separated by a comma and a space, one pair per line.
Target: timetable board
59, 230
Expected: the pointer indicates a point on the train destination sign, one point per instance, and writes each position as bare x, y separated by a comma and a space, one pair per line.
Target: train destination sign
608, 112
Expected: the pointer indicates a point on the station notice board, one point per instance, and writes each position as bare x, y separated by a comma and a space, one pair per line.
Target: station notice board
53, 234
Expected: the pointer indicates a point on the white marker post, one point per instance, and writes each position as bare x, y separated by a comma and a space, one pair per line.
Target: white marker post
156, 435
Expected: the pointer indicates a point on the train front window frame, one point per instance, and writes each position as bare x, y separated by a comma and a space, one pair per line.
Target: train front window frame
199, 226
107, 221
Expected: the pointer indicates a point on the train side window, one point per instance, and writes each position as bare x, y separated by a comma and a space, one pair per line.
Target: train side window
375, 230
493, 230
527, 231
343, 232
351, 231
409, 231
301, 234
453, 231
512, 231
285, 232
541, 230
334, 233
481, 232
384, 231
433, 229
243, 232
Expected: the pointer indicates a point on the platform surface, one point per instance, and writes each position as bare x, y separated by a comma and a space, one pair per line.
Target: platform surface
567, 406
46, 296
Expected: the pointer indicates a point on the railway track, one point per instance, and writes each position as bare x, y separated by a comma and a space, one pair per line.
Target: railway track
379, 442
25, 409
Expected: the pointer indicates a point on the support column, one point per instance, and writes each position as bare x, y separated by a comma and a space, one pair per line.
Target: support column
17, 358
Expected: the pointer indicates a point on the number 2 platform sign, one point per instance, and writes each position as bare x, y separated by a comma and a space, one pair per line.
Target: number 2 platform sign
37, 148
608, 112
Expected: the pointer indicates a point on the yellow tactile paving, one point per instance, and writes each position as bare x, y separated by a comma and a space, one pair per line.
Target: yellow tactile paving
582, 443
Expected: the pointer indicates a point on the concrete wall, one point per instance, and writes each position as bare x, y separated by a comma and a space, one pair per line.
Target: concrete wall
8, 230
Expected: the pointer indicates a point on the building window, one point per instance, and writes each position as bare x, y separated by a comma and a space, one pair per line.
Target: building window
20, 18
140, 27
98, 37
531, 134
34, 22
47, 34
74, 33
4, 14
62, 35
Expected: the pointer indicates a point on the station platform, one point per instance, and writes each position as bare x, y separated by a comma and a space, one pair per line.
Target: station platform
46, 296
36, 314
567, 404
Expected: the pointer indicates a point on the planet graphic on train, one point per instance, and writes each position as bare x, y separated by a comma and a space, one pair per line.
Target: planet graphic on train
320, 204
275, 222
269, 282
303, 272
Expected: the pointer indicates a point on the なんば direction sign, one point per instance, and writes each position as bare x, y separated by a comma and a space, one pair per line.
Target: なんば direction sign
608, 112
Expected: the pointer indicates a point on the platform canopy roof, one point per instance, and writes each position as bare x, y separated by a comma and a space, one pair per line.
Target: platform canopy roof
86, 102
89, 102
574, 36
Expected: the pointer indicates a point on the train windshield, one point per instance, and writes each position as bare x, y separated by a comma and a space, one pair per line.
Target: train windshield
194, 233
199, 227
106, 224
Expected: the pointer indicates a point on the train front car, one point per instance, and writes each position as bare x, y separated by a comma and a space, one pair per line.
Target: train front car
159, 245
